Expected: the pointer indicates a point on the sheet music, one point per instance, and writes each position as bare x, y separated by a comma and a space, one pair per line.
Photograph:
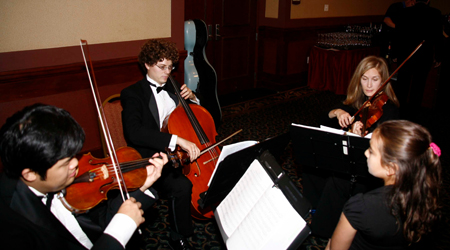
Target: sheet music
256, 215
241, 199
331, 130
279, 227
231, 149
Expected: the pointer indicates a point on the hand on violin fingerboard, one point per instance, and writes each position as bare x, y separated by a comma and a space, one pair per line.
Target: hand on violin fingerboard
154, 169
357, 128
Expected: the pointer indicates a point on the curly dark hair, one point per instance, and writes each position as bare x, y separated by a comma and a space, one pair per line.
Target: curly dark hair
157, 50
414, 198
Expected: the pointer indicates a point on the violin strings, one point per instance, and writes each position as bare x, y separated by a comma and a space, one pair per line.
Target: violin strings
130, 164
139, 163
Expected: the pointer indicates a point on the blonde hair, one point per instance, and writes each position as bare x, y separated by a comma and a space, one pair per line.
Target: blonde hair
355, 94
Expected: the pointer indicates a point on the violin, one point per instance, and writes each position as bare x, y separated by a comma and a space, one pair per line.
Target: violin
373, 111
370, 116
95, 176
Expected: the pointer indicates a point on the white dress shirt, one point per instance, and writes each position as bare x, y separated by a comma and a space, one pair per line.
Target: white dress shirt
165, 107
121, 226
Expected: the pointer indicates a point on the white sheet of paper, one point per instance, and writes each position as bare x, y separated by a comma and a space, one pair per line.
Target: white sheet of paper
331, 130
231, 149
238, 203
256, 215
272, 224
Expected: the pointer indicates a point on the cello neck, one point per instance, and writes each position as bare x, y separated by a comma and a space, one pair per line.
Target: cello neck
194, 122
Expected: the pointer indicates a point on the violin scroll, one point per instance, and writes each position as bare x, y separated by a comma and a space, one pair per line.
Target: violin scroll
176, 157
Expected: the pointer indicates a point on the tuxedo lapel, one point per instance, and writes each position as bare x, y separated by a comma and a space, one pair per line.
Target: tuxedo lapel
150, 99
154, 108
26, 203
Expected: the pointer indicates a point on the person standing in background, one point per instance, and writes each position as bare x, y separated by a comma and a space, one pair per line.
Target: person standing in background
390, 19
416, 24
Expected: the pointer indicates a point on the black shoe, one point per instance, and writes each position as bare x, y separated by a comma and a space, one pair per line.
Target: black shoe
180, 244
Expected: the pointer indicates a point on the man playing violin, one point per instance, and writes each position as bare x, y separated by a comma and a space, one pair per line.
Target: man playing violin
145, 106
328, 192
37, 148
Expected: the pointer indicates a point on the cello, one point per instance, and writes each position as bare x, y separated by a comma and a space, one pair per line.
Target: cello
199, 75
194, 123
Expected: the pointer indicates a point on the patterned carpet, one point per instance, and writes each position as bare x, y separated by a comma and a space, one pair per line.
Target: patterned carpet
269, 116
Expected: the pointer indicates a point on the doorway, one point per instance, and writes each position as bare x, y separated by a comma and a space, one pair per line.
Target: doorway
231, 48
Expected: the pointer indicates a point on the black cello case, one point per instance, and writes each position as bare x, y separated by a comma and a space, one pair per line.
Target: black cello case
205, 84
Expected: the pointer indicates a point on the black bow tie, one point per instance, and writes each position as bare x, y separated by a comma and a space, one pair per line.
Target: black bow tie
49, 198
158, 89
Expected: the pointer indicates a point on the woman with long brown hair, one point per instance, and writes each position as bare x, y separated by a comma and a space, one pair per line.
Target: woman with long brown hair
406, 208
369, 75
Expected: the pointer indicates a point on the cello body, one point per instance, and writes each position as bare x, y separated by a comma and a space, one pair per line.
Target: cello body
194, 123
202, 79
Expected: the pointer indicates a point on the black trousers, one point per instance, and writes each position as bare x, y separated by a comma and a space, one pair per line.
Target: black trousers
177, 188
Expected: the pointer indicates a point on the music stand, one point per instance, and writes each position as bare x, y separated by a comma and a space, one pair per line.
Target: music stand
231, 169
339, 153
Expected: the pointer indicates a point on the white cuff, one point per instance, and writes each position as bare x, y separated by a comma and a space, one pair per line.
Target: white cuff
121, 228
173, 142
149, 193
196, 101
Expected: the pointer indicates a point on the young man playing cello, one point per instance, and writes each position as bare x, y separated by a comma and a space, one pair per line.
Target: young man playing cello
145, 106
37, 147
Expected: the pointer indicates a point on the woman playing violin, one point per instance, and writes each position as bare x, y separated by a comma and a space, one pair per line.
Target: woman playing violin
328, 191
369, 75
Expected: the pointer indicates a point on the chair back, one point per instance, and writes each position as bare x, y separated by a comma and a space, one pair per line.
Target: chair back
113, 113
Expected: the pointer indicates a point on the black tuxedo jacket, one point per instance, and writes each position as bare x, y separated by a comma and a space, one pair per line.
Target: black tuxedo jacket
140, 118
26, 223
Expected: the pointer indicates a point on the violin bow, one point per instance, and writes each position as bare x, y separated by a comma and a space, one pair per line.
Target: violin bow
385, 82
102, 119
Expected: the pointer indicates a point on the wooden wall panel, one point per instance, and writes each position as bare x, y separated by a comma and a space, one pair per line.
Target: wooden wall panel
67, 87
283, 52
269, 57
